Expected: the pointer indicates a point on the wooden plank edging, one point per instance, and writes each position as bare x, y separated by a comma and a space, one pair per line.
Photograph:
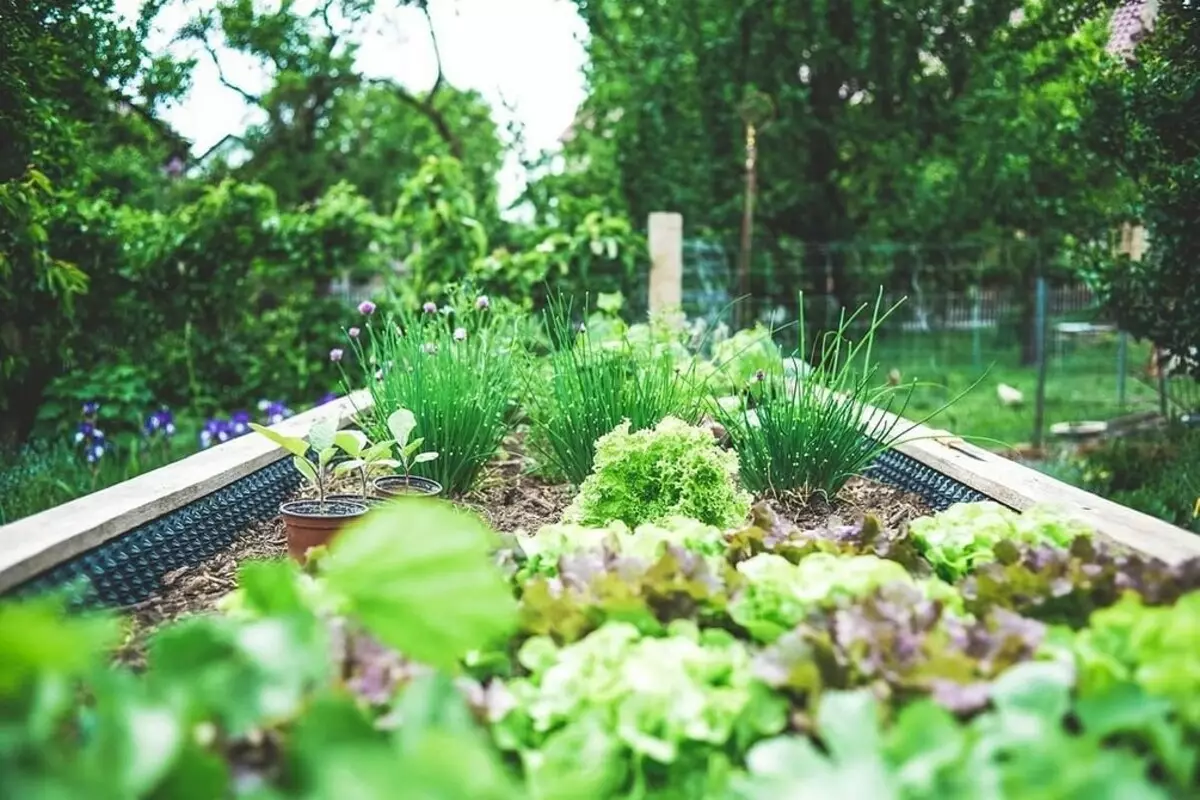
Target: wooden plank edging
35, 544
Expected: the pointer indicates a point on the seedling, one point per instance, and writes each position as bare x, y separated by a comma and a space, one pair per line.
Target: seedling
402, 423
364, 456
320, 438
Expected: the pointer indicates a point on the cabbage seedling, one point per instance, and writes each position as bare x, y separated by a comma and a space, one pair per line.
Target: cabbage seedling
402, 423
364, 456
320, 438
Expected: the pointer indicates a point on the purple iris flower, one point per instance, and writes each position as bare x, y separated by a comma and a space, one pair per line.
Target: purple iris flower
239, 423
328, 397
91, 408
276, 413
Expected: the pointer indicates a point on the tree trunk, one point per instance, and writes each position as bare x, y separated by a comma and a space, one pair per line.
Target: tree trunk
1029, 318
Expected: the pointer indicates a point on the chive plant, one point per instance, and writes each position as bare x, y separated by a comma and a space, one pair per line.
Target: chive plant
812, 434
455, 370
585, 388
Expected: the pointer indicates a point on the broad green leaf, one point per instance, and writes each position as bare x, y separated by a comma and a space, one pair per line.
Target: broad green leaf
423, 457
38, 638
321, 434
349, 466
270, 587
305, 468
401, 423
377, 451
136, 740
352, 442
418, 575
293, 444
326, 455
414, 445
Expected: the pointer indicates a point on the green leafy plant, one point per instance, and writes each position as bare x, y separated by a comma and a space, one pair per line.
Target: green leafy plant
320, 438
587, 387
965, 535
672, 469
811, 434
367, 458
455, 370
402, 423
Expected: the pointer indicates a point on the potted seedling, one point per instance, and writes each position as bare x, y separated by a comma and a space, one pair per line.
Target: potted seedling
401, 424
313, 523
364, 458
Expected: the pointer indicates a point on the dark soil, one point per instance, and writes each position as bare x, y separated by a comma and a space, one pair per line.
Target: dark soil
859, 497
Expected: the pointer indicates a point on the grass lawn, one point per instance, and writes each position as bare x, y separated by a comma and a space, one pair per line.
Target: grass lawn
1081, 382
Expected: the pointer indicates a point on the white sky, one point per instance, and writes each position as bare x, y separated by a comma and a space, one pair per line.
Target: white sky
523, 52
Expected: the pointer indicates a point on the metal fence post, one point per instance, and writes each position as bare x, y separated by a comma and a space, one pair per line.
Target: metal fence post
1039, 411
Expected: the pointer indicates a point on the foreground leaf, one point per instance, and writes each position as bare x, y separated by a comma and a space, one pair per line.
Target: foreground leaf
418, 575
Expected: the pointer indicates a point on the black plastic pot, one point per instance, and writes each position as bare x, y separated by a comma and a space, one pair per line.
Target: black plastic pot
406, 485
311, 523
370, 502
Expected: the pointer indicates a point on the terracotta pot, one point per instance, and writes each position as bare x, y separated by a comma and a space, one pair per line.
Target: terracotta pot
401, 486
311, 524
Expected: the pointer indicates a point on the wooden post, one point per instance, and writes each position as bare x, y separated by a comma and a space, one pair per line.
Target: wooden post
666, 261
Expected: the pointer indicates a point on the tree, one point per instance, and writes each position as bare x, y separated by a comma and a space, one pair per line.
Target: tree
325, 122
78, 94
1153, 111
878, 104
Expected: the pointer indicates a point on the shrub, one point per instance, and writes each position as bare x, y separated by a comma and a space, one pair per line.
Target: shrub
455, 369
812, 434
650, 475
586, 388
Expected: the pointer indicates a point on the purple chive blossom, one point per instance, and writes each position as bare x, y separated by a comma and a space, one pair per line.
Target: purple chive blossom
354, 332
335, 355
582, 328
759, 376
482, 302
366, 308
460, 334
429, 308
379, 375
429, 347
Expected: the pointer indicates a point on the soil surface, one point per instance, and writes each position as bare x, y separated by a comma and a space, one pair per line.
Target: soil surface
511, 500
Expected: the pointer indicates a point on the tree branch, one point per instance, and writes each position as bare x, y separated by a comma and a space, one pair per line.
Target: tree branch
252, 99
437, 54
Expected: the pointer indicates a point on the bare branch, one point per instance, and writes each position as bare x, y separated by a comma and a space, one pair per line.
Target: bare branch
437, 53
252, 99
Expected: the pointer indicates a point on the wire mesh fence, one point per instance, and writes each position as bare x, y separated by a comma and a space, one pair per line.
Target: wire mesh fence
974, 325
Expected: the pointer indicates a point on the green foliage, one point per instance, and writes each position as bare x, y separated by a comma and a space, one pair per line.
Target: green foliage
962, 537
601, 253
456, 372
780, 593
748, 354
1152, 100
672, 469
1154, 648
1158, 474
1021, 748
443, 237
320, 439
588, 386
617, 697
814, 432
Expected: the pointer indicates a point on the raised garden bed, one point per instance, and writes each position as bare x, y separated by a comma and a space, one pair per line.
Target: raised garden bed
848, 648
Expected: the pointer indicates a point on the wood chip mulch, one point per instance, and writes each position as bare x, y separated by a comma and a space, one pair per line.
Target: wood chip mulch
860, 496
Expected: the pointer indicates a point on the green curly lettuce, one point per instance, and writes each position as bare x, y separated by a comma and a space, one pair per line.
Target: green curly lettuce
618, 698
779, 594
963, 536
1156, 648
675, 469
